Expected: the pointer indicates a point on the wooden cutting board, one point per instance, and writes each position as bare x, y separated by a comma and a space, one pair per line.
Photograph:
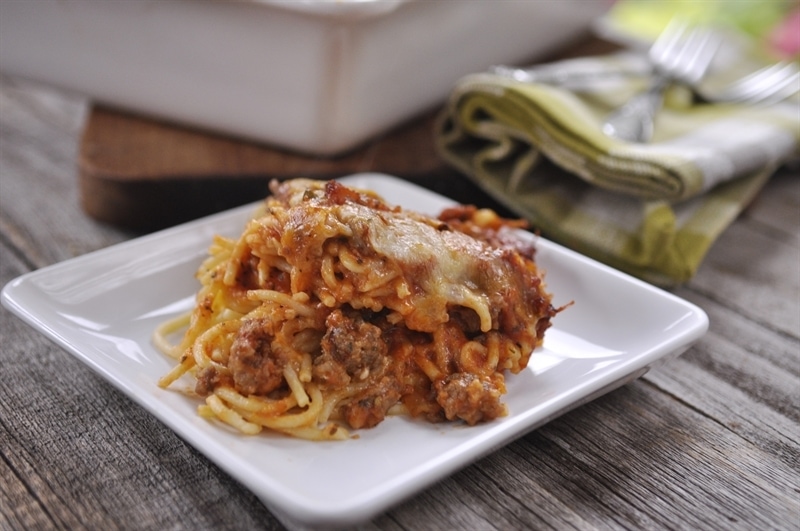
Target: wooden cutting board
144, 174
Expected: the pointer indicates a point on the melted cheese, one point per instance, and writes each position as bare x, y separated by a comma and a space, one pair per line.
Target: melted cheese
448, 267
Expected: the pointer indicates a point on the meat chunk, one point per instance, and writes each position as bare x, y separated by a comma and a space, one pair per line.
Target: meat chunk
329, 373
209, 379
470, 398
354, 350
255, 371
369, 409
354, 343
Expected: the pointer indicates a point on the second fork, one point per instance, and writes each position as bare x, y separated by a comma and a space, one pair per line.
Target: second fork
679, 54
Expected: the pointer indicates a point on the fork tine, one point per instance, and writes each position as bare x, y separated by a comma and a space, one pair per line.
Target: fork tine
664, 46
703, 48
687, 54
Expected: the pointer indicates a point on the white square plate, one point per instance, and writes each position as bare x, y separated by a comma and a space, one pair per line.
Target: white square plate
615, 330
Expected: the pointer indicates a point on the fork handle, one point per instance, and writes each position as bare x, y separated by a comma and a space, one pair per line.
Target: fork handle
634, 121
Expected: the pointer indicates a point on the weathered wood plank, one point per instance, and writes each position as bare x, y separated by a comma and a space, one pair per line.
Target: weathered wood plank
646, 461
754, 268
761, 341
778, 205
39, 199
734, 386
21, 508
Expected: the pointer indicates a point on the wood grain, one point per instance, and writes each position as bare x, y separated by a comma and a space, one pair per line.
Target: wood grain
145, 174
709, 440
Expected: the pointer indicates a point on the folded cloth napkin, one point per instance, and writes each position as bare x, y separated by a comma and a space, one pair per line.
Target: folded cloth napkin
652, 210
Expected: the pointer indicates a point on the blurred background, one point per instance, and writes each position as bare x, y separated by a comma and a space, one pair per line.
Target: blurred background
773, 25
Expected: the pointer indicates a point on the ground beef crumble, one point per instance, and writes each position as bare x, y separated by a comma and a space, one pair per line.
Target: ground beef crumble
470, 398
255, 371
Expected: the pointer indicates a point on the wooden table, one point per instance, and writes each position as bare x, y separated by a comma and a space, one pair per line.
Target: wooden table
710, 440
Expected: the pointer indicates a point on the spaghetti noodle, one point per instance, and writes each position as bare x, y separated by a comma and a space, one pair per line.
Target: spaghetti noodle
334, 309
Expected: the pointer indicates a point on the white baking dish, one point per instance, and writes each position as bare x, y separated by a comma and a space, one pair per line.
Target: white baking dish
317, 76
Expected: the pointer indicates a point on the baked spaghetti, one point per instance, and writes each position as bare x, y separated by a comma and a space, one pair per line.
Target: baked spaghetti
334, 309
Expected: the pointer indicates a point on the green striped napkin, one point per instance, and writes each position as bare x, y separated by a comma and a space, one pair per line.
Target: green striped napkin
652, 210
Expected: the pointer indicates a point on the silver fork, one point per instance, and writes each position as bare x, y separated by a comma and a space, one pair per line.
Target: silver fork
770, 84
680, 54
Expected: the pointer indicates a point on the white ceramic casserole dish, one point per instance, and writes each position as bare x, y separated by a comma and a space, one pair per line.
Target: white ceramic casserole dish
317, 76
